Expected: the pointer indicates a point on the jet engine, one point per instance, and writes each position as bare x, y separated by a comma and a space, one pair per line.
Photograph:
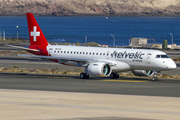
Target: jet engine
99, 69
143, 72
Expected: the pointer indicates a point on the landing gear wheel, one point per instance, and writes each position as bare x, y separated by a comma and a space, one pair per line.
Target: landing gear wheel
114, 75
84, 76
155, 79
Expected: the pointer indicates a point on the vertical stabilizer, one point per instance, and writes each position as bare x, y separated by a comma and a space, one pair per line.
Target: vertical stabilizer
36, 36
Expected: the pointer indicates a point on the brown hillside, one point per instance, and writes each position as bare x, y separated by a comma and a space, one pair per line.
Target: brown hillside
91, 7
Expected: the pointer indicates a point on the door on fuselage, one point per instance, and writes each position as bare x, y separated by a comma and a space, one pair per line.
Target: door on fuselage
50, 53
148, 58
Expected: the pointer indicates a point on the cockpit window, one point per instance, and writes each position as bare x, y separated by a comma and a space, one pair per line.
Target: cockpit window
162, 56
158, 56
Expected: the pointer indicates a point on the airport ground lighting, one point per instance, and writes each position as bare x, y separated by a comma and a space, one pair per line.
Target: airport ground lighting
172, 37
17, 32
113, 40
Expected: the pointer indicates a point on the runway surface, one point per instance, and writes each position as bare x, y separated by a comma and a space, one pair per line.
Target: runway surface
66, 97
67, 83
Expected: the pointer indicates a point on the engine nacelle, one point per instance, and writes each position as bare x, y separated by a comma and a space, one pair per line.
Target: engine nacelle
143, 72
99, 69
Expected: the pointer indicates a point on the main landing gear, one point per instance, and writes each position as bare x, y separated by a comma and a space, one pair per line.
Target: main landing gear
114, 75
84, 76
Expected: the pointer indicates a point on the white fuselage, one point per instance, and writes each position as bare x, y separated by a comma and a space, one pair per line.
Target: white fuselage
121, 59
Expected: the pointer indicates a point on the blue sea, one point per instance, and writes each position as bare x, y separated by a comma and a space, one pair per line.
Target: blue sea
97, 29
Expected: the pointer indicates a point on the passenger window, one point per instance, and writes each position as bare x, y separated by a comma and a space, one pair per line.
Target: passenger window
100, 53
74, 52
86, 52
80, 52
71, 52
93, 53
57, 51
61, 51
90, 53
67, 51
83, 52
64, 51
103, 53
77, 52
54, 51
96, 53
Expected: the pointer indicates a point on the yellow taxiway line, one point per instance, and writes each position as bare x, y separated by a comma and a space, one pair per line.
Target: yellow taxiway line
125, 80
111, 80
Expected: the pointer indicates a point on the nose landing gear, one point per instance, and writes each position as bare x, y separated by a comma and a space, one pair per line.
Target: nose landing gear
155, 78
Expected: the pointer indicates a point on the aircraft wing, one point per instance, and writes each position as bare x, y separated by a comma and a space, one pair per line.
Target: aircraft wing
67, 59
56, 58
23, 48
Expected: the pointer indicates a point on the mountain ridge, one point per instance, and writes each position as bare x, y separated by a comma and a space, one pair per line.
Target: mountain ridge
90, 7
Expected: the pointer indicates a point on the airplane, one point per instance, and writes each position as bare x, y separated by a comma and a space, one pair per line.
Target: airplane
97, 61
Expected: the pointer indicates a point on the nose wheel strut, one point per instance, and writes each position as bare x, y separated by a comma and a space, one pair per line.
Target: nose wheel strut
155, 78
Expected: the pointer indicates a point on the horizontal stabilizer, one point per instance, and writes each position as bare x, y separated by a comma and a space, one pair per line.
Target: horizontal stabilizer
23, 48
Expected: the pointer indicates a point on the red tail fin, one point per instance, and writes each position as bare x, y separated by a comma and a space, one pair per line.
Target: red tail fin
36, 36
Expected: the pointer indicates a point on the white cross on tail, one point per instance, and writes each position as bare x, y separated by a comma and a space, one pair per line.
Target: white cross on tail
34, 33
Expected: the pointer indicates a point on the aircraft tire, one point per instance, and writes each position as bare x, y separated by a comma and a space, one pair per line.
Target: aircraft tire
82, 75
155, 79
116, 75
86, 76
112, 75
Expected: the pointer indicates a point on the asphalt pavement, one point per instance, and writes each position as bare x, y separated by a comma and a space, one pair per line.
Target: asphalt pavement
69, 83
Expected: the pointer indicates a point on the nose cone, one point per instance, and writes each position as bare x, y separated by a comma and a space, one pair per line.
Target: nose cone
171, 65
